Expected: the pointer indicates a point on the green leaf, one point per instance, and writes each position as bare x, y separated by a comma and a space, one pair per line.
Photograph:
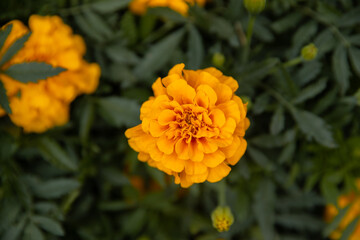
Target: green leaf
308, 72
159, 54
32, 71
87, 28
14, 232
86, 120
129, 27
311, 91
264, 208
9, 211
32, 232
355, 59
97, 24
314, 127
120, 54
115, 177
257, 71
287, 22
221, 27
55, 188
341, 68
147, 24
303, 36
350, 18
135, 221
350, 229
4, 33
335, 223
325, 42
167, 14
54, 153
49, 225
195, 51
119, 111
261, 159
109, 6
277, 121
287, 153
14, 48
4, 101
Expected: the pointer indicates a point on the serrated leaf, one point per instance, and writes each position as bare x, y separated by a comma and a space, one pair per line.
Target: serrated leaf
311, 91
335, 223
55, 154
261, 159
221, 27
325, 42
287, 22
287, 153
341, 68
4, 33
97, 23
314, 127
87, 29
14, 232
14, 48
354, 54
257, 71
119, 111
277, 121
32, 232
349, 230
55, 188
195, 51
159, 54
308, 72
110, 6
9, 211
167, 14
32, 71
4, 101
49, 225
350, 18
120, 54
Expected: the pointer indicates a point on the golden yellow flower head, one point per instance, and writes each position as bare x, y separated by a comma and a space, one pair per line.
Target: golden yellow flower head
353, 212
39, 106
194, 126
181, 6
309, 52
254, 6
222, 218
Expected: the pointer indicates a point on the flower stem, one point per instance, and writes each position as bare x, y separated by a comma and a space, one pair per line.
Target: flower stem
249, 33
293, 62
222, 193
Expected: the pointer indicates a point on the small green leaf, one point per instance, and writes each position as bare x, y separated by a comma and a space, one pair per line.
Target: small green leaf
147, 24
4, 34
87, 29
129, 27
355, 59
277, 121
98, 25
4, 101
350, 18
341, 68
167, 14
54, 153
159, 54
120, 54
261, 159
109, 6
335, 223
257, 71
32, 232
308, 72
86, 121
49, 225
14, 232
314, 127
311, 91
14, 48
55, 188
119, 111
287, 22
32, 71
195, 51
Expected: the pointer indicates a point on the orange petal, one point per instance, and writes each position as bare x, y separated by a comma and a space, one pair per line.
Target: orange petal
239, 152
194, 168
184, 181
157, 130
210, 93
134, 131
170, 79
214, 159
173, 163
166, 116
217, 117
228, 129
181, 92
207, 79
218, 173
165, 144
194, 152
242, 106
207, 145
143, 156
232, 148
182, 149
224, 93
177, 69
230, 109
155, 153
199, 178
202, 100
158, 88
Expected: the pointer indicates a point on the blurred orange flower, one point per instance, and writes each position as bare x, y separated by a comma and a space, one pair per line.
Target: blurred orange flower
39, 106
353, 212
194, 126
181, 6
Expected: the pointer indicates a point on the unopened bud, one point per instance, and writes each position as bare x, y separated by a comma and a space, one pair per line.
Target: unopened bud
222, 218
218, 60
309, 52
254, 6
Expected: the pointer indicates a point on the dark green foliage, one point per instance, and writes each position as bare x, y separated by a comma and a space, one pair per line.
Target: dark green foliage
83, 182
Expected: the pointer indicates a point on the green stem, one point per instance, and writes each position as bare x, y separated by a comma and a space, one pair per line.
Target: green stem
249, 33
222, 193
293, 62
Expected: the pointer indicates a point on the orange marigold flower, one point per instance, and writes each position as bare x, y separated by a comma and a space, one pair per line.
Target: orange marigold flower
194, 126
352, 213
181, 6
39, 106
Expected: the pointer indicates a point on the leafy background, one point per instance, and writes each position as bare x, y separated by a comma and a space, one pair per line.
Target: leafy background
82, 181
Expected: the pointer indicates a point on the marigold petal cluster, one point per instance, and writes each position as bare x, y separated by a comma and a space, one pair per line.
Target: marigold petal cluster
181, 6
352, 213
39, 106
194, 126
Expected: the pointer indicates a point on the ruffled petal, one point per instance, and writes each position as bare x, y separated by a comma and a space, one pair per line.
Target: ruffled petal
214, 159
218, 173
239, 152
181, 92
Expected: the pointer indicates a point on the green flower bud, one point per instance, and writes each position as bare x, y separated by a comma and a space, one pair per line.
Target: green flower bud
309, 52
222, 218
218, 60
254, 6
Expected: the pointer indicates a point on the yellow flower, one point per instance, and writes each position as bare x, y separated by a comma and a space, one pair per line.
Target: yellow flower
353, 212
222, 218
181, 6
39, 106
193, 127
